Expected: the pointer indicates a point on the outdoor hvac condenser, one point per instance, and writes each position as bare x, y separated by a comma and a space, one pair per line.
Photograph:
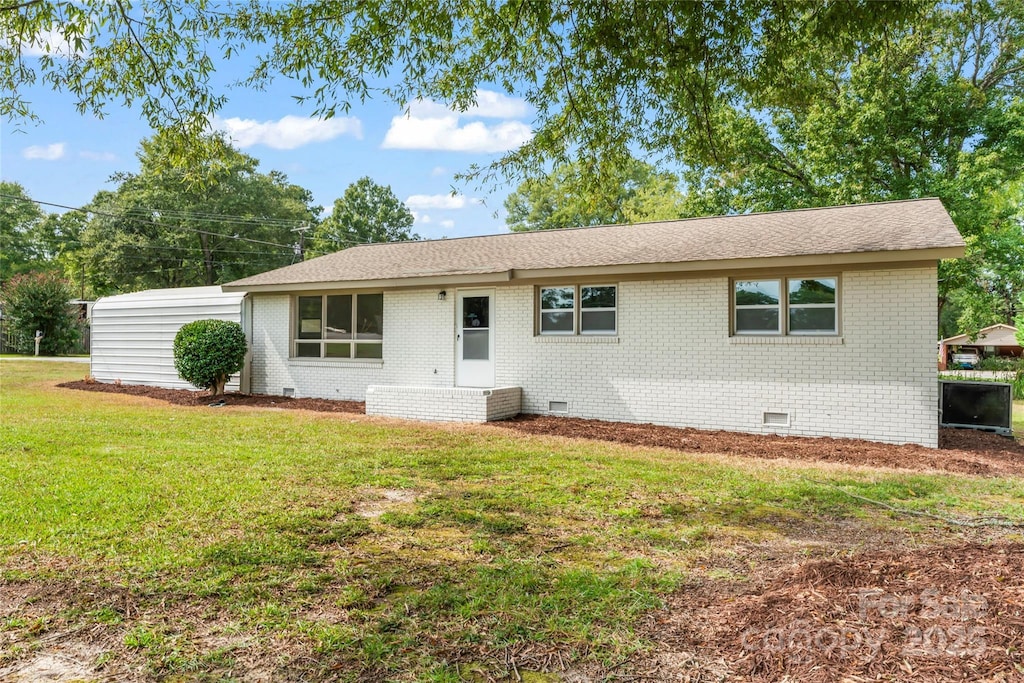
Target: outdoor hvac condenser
976, 405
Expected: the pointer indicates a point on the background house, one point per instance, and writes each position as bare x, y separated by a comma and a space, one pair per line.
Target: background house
993, 341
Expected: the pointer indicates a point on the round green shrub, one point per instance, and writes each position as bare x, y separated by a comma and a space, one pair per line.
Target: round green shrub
208, 352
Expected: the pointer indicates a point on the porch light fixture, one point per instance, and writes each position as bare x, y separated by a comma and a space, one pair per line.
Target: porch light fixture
442, 295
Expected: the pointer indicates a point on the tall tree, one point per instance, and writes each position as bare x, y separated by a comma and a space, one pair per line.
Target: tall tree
567, 198
20, 221
992, 278
216, 221
38, 302
366, 212
936, 111
603, 78
60, 241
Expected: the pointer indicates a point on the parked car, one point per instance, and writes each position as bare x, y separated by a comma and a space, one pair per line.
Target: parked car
967, 359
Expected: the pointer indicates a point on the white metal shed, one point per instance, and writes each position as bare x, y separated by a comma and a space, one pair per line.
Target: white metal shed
133, 334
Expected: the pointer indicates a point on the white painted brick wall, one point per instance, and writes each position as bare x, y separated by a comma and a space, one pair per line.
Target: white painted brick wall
504, 402
419, 349
672, 363
445, 404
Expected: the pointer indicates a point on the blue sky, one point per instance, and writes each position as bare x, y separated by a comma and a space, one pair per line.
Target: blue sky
70, 156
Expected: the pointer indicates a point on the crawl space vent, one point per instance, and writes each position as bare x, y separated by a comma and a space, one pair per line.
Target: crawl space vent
776, 419
288, 392
558, 407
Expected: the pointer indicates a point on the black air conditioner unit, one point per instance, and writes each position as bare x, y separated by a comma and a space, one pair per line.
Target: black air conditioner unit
976, 405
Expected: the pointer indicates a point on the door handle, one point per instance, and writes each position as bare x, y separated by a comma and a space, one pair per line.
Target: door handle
458, 337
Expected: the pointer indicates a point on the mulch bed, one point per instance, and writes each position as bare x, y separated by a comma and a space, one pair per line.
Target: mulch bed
940, 614
960, 450
184, 397
965, 451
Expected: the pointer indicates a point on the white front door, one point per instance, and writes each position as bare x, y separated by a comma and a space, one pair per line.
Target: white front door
474, 338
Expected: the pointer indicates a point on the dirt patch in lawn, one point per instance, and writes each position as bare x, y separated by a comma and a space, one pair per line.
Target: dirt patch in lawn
88, 629
941, 613
938, 614
378, 501
960, 450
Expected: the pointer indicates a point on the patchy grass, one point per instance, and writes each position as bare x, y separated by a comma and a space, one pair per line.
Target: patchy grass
208, 542
1018, 419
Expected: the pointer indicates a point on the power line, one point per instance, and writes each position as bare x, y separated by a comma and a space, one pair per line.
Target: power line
207, 217
145, 222
214, 217
158, 247
190, 262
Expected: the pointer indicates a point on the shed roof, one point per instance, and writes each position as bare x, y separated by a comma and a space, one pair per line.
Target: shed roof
905, 230
174, 296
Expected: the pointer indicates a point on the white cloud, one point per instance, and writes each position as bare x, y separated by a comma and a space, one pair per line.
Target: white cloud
432, 126
53, 42
421, 217
46, 153
287, 132
446, 134
495, 105
429, 109
447, 224
436, 201
97, 156
438, 170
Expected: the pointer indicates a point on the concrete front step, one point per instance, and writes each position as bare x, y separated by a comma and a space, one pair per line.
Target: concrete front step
444, 404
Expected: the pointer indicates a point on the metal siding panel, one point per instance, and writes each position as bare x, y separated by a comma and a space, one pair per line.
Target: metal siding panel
133, 334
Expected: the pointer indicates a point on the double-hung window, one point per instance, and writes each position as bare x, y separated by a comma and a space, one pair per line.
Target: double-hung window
339, 326
786, 306
578, 309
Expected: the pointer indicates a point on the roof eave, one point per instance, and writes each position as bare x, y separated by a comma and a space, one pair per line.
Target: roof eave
390, 283
747, 264
859, 259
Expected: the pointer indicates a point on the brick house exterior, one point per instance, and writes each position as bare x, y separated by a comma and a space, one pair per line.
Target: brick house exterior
746, 340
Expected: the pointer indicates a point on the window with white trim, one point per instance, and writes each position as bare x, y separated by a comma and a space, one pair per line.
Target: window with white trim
758, 307
339, 326
786, 306
558, 310
812, 306
578, 309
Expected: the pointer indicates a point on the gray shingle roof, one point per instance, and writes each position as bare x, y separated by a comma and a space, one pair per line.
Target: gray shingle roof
903, 226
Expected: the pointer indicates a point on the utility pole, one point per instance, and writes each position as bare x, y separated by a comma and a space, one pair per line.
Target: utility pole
300, 250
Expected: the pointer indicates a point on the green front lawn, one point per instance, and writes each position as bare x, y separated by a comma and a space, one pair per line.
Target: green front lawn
16, 356
341, 545
1018, 419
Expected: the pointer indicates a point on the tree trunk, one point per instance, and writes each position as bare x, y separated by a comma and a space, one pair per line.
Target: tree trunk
218, 386
211, 278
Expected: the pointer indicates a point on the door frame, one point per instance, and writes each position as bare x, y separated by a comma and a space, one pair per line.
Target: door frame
460, 372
